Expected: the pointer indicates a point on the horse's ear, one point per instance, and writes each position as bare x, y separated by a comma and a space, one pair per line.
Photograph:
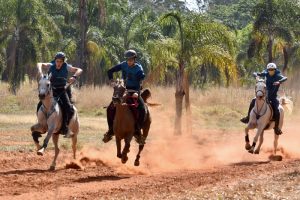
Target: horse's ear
257, 79
49, 76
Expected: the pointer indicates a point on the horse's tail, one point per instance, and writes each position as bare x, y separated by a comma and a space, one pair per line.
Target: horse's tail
286, 103
145, 96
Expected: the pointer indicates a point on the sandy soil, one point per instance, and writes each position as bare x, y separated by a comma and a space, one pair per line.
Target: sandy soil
210, 164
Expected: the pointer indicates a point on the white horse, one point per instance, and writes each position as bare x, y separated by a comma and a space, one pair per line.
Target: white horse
50, 119
261, 118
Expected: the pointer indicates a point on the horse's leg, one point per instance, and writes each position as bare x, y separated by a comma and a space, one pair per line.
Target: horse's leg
247, 146
55, 142
141, 147
126, 149
258, 133
36, 132
46, 141
276, 137
118, 143
74, 145
261, 140
137, 159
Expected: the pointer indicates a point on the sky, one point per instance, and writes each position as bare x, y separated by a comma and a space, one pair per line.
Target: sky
191, 5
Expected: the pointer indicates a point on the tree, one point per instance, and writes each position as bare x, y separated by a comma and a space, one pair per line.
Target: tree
273, 24
25, 34
206, 43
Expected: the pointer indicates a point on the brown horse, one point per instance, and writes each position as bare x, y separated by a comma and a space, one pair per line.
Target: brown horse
124, 121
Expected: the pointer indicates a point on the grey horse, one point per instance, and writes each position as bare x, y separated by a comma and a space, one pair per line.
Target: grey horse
49, 118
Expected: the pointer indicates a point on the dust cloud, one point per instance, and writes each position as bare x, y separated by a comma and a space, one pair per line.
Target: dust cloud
203, 149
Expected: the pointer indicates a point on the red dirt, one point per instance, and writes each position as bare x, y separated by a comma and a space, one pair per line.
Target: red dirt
211, 165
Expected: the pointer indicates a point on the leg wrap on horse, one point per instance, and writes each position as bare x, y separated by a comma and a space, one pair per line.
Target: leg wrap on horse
36, 135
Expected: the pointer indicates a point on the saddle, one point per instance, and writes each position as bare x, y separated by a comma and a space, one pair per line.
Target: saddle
135, 107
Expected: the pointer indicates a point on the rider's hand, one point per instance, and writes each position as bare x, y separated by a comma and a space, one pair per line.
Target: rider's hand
72, 80
111, 83
276, 83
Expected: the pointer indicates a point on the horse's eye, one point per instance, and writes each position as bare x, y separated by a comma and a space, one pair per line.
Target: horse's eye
48, 85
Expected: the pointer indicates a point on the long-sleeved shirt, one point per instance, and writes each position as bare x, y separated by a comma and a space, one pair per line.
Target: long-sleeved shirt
131, 75
272, 89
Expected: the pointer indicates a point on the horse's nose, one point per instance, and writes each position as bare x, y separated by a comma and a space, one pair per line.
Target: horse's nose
42, 96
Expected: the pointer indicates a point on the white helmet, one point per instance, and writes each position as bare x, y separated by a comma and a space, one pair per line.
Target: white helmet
271, 66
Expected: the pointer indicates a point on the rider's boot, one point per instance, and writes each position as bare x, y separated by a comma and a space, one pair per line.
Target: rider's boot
108, 135
277, 130
110, 114
246, 119
138, 125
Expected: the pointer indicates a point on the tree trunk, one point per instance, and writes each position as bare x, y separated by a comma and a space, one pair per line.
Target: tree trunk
270, 49
179, 94
286, 59
82, 51
187, 103
102, 13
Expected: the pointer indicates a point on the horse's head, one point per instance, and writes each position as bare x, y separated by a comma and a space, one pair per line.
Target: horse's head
260, 88
44, 87
119, 90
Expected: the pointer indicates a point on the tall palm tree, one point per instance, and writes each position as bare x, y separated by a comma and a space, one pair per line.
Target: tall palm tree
274, 22
27, 30
206, 43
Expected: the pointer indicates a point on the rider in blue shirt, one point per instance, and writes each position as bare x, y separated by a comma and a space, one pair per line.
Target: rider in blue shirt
133, 75
273, 80
59, 70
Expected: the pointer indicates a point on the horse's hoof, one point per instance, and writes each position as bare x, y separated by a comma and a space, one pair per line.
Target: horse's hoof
124, 159
40, 152
247, 146
119, 155
256, 152
52, 168
136, 163
251, 151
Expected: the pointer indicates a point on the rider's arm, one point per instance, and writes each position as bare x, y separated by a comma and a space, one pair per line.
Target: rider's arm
76, 70
42, 66
261, 74
282, 78
111, 71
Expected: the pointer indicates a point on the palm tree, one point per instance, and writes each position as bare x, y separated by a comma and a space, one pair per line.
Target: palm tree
26, 32
205, 43
274, 22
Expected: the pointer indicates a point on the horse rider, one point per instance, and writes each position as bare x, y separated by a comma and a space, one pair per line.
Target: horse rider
133, 74
59, 77
273, 80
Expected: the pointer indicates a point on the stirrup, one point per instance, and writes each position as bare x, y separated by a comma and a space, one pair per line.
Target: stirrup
140, 139
69, 134
107, 137
245, 120
277, 131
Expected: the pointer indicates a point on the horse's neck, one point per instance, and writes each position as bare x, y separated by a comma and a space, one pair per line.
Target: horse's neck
120, 110
260, 104
48, 102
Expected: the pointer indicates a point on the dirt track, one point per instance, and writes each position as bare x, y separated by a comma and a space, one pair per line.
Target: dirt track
210, 164
23, 177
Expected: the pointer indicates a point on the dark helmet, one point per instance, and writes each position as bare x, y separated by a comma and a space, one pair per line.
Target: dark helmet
130, 54
60, 55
